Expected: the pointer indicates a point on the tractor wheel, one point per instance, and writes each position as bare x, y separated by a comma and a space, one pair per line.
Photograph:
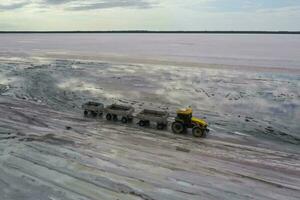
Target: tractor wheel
142, 123
108, 117
124, 120
198, 132
115, 118
86, 113
178, 128
160, 126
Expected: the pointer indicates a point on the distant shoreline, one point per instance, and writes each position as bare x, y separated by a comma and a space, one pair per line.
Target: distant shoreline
152, 32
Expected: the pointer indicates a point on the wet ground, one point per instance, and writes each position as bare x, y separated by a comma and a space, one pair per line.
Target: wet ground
245, 102
49, 151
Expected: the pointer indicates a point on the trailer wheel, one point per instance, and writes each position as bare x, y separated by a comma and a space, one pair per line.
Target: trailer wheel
147, 123
115, 117
178, 128
160, 126
198, 132
124, 120
130, 119
94, 114
86, 113
108, 117
142, 123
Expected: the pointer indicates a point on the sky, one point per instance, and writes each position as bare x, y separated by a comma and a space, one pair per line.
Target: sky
159, 15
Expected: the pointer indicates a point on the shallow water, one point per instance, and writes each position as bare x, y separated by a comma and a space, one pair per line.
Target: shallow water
281, 51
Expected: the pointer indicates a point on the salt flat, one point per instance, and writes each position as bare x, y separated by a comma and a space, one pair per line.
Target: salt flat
48, 150
41, 159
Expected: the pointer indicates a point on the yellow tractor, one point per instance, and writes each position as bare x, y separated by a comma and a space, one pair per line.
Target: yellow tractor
185, 120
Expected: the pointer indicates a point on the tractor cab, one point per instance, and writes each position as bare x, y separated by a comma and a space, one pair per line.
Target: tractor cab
185, 120
184, 115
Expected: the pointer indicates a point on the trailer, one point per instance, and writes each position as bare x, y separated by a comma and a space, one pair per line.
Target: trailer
93, 109
159, 117
115, 110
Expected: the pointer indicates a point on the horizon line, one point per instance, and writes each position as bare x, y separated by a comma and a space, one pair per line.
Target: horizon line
147, 31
